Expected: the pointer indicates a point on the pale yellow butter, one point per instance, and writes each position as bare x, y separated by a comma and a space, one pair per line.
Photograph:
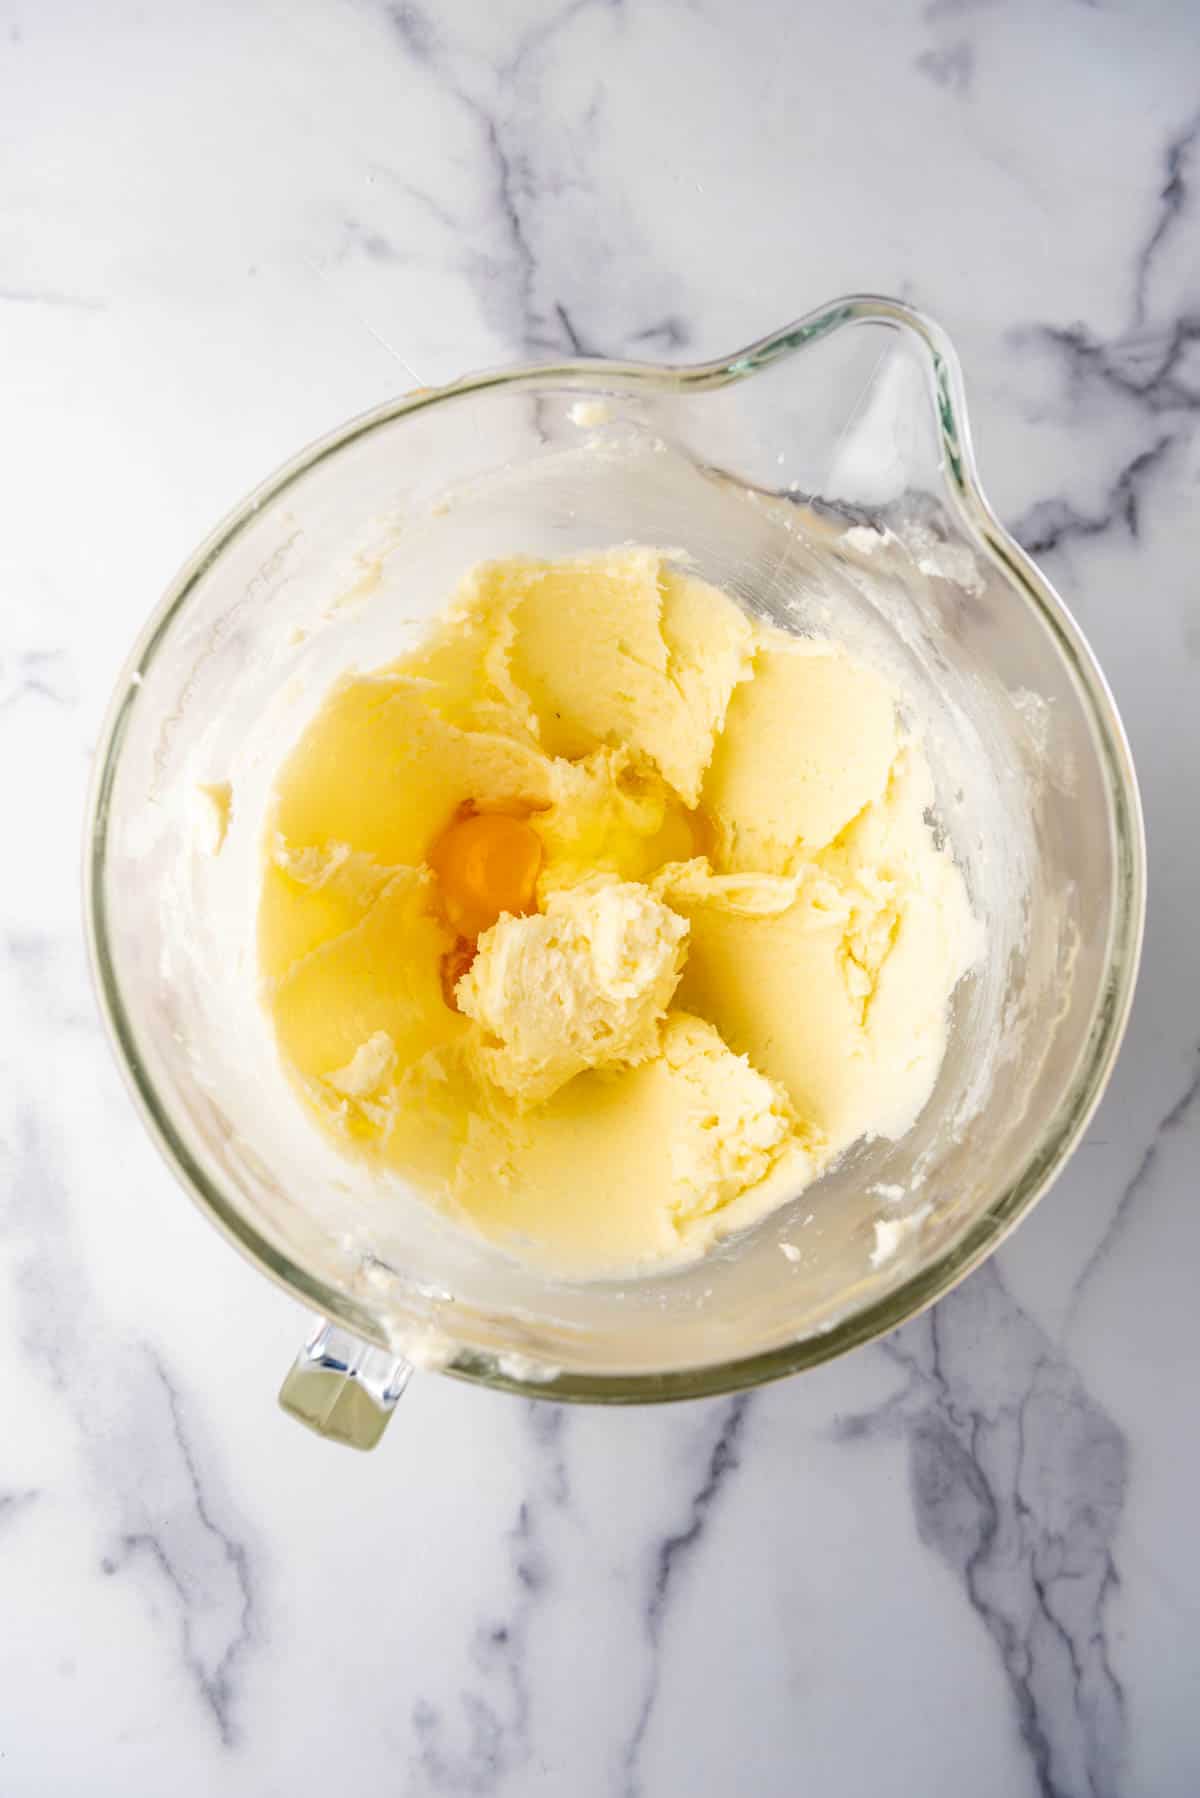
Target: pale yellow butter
746, 939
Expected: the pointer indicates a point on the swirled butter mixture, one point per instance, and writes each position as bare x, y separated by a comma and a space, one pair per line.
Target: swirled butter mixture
609, 916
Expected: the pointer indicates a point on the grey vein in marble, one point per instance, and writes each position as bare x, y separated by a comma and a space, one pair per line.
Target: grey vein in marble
48, 296
669, 333
38, 674
1172, 1121
154, 1498
1173, 202
490, 1739
512, 272
13, 1503
1051, 523
199, 1561
1146, 364
1152, 367
670, 1556
1018, 1481
951, 68
503, 98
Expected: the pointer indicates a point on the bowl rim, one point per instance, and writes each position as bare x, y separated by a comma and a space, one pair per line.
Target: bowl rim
979, 522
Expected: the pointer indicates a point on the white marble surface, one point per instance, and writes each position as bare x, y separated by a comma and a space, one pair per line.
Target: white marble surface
963, 1561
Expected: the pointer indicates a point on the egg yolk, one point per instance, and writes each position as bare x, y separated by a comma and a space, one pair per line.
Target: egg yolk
486, 863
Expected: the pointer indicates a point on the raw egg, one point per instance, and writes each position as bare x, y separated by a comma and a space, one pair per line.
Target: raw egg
486, 863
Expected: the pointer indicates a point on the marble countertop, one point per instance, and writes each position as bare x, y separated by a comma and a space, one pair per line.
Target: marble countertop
959, 1561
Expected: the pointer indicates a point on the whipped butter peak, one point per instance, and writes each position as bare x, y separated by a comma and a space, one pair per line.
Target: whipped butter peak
584, 984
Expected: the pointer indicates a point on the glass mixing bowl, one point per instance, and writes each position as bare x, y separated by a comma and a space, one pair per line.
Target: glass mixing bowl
825, 477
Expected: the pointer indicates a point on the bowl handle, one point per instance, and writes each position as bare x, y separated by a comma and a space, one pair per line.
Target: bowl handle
343, 1387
